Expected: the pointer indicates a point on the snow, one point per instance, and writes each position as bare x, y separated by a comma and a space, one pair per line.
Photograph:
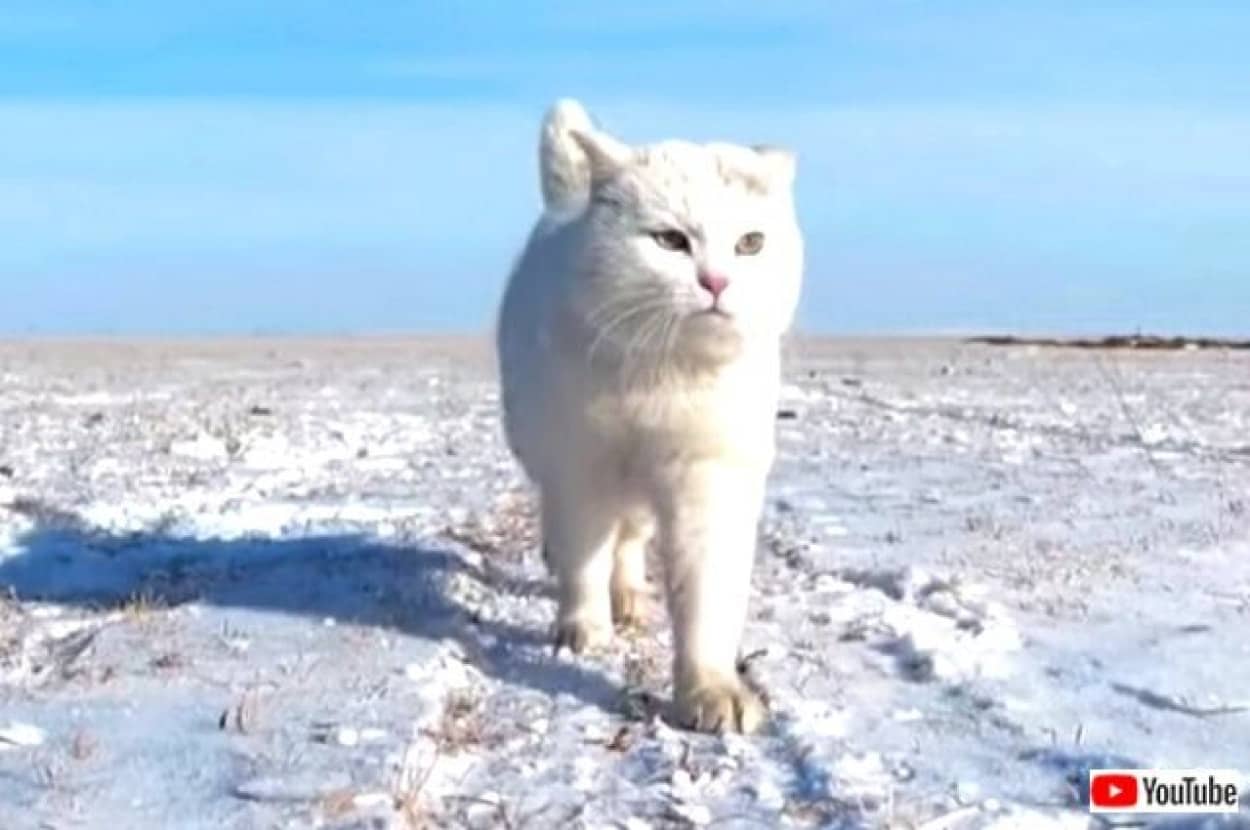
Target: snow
295, 583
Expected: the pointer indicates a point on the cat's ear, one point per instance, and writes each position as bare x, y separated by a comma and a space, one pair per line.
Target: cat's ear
606, 155
780, 164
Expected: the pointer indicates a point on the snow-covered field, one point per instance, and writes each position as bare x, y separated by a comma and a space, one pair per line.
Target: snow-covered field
263, 584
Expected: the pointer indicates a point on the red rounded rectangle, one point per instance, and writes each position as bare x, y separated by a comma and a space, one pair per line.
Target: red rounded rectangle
1113, 789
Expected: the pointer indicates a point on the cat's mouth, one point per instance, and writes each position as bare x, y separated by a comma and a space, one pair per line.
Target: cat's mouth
714, 320
713, 335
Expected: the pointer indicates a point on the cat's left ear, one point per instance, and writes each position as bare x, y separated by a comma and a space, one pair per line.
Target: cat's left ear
605, 154
780, 164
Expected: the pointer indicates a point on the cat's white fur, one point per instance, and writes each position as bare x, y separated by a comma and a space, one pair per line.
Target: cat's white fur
637, 410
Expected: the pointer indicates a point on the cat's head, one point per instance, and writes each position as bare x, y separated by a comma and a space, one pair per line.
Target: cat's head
690, 247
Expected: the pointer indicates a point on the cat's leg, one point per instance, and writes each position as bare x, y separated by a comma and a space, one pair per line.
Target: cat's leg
629, 569
708, 526
579, 526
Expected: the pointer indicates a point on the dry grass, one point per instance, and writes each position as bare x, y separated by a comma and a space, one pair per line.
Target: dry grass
462, 724
459, 728
409, 785
83, 745
169, 661
141, 605
338, 804
243, 716
510, 531
11, 617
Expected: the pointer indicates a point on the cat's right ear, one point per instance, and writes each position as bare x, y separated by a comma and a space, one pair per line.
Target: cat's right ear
604, 153
779, 162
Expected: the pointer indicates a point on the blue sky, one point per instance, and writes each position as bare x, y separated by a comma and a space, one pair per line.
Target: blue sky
323, 166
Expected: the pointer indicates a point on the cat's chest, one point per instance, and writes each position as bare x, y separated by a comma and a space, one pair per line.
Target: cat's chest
697, 420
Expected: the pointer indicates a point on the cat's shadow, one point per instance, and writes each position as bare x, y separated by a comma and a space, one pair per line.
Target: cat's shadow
351, 578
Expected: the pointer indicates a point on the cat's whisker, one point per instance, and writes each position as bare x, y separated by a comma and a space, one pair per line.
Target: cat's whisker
607, 330
621, 295
650, 353
670, 342
659, 353
630, 355
629, 363
620, 311
620, 299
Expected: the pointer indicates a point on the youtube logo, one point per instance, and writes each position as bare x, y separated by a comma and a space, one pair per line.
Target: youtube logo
1164, 790
1112, 790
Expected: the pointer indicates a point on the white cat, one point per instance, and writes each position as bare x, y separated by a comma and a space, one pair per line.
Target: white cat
639, 350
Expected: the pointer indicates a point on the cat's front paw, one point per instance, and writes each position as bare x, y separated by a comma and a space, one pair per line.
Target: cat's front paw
580, 635
719, 705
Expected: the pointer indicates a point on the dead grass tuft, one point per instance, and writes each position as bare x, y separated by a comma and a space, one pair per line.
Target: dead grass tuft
642, 672
338, 804
409, 785
462, 724
510, 531
83, 746
141, 605
244, 716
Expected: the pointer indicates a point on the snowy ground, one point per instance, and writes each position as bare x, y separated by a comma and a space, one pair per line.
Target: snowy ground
293, 584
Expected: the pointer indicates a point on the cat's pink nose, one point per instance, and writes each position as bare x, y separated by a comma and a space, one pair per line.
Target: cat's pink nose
714, 283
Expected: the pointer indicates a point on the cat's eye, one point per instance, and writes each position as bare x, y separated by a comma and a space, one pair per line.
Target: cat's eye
671, 240
750, 244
